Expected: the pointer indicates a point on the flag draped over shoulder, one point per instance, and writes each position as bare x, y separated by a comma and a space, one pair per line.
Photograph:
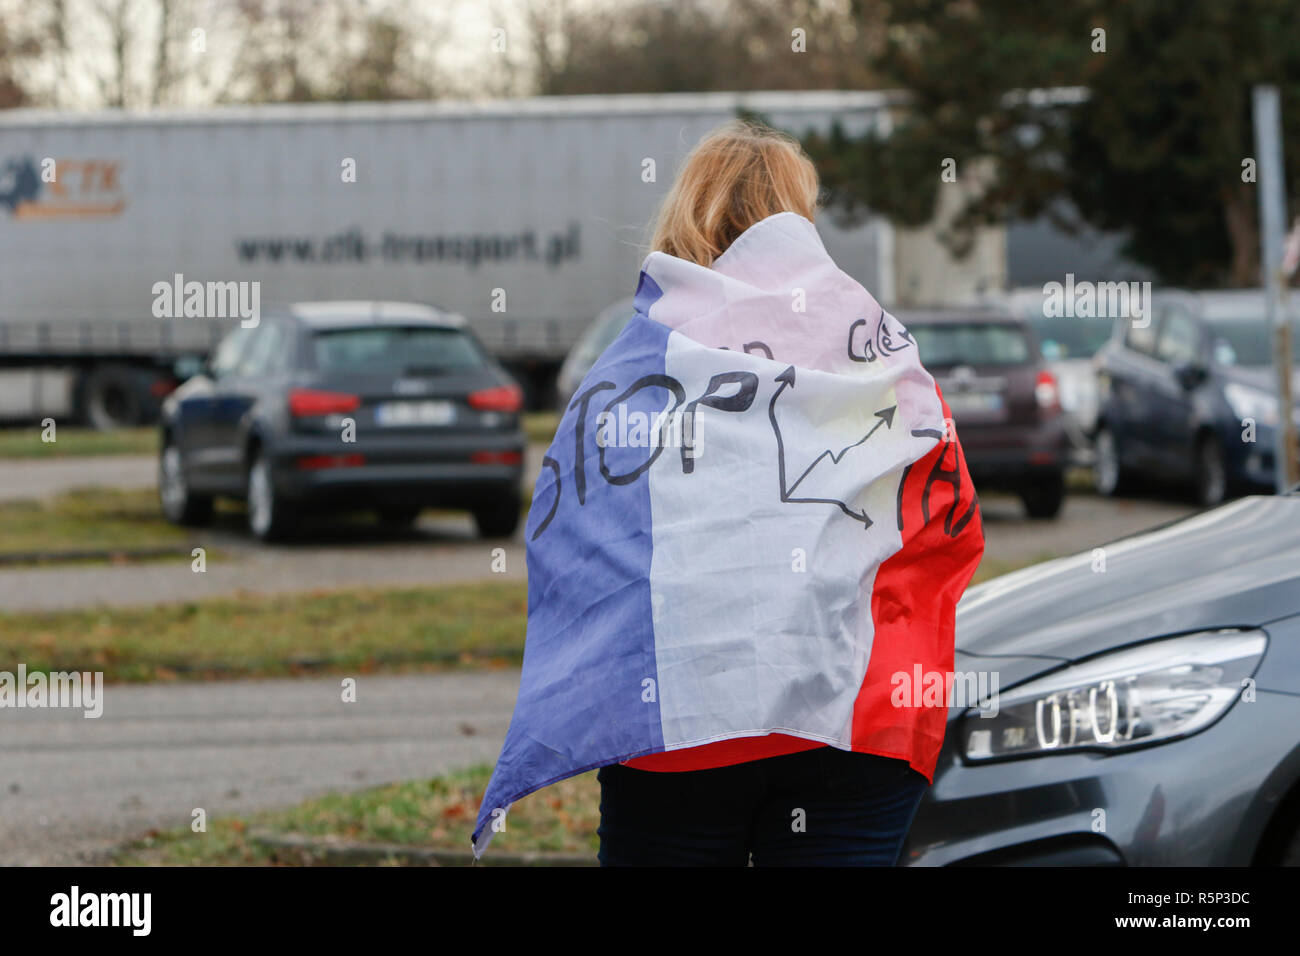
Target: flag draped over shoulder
755, 514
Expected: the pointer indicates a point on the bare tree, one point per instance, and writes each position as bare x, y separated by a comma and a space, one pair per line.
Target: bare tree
116, 19
163, 71
304, 50
15, 47
549, 24
652, 46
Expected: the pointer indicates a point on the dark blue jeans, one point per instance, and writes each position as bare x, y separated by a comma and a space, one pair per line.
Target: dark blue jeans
822, 807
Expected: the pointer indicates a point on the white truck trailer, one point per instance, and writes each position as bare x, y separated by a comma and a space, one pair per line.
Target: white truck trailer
526, 216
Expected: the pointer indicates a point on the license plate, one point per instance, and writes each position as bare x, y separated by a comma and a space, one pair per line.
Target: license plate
399, 414
968, 402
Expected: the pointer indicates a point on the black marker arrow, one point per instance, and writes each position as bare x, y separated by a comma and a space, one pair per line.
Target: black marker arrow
884, 417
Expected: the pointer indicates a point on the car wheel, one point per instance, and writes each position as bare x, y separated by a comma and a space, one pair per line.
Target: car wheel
269, 516
499, 519
1044, 498
1108, 472
1211, 472
399, 517
180, 505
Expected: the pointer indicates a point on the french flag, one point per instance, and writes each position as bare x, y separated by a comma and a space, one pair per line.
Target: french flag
754, 515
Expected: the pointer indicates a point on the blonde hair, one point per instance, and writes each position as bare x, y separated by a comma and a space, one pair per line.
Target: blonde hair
740, 173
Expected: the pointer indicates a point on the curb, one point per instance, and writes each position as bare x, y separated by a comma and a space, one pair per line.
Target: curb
315, 851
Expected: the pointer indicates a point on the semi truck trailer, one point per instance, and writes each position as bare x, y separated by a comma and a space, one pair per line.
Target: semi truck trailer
527, 217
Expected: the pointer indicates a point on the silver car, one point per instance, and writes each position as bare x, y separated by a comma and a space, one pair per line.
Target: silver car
1146, 708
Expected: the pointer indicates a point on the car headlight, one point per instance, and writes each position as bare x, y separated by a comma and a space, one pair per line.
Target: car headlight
1140, 695
1247, 402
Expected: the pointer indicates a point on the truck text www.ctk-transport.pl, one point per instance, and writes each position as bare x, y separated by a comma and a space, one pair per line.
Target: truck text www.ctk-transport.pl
470, 249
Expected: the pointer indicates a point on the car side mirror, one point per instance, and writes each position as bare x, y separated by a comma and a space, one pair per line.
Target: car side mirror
1190, 374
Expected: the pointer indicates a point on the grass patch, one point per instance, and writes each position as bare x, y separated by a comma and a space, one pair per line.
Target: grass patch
431, 813
1080, 480
540, 426
352, 631
72, 441
91, 519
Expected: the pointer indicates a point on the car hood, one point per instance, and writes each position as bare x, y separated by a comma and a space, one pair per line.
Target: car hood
1234, 566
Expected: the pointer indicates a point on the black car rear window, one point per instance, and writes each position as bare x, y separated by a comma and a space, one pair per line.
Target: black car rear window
971, 343
395, 349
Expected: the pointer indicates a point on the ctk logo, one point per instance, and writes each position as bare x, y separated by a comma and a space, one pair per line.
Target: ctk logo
60, 188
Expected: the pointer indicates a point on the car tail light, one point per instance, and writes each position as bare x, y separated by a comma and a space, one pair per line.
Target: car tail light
503, 398
1046, 391
317, 462
161, 387
308, 401
496, 458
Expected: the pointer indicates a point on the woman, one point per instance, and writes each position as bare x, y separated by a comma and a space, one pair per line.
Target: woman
730, 629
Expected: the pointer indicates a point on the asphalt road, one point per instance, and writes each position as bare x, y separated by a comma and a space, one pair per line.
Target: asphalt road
72, 787
442, 551
45, 478
1086, 522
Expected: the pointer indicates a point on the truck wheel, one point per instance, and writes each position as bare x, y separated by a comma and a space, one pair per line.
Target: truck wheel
110, 397
1044, 498
499, 519
180, 505
269, 516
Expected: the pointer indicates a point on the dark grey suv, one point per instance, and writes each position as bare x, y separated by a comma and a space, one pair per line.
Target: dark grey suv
344, 405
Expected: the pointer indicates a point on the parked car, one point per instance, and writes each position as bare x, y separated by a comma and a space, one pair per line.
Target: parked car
1147, 704
1005, 401
594, 340
342, 405
1190, 398
1068, 345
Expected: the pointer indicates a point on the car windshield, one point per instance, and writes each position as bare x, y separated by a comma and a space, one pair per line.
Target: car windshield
1067, 338
1247, 341
395, 349
971, 343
